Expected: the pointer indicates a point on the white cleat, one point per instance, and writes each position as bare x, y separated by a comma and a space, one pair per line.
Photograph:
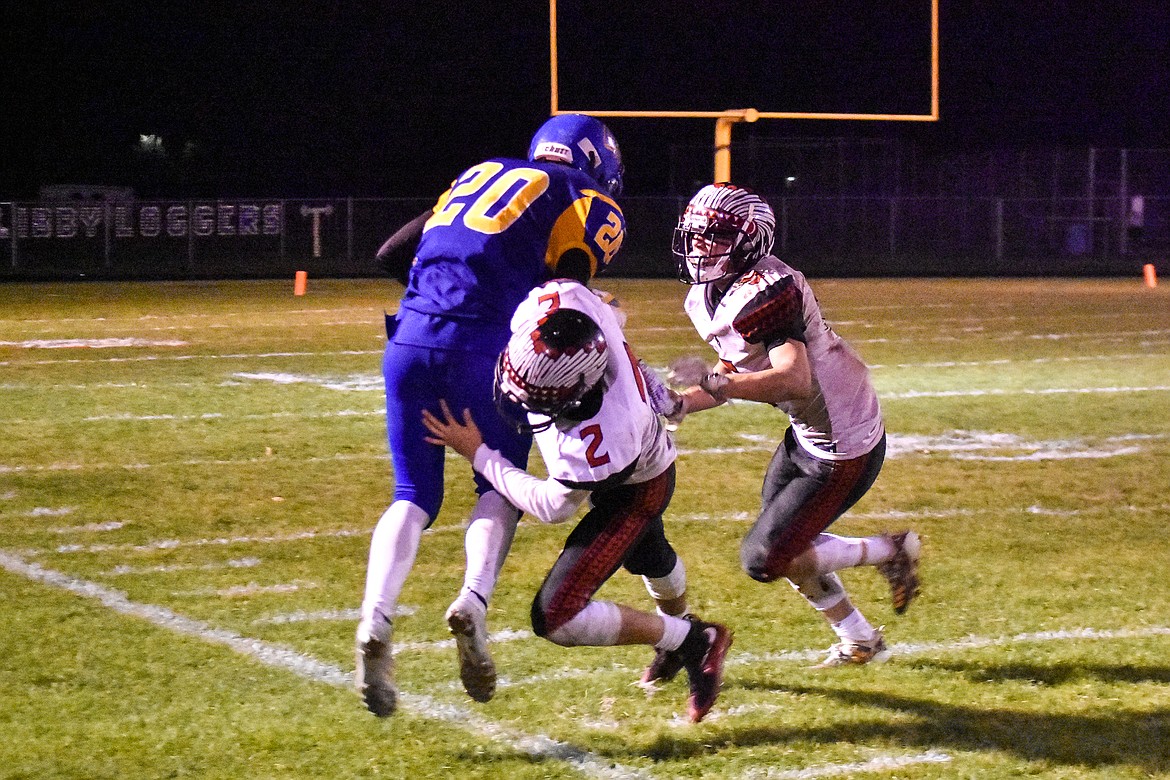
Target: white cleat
466, 618
846, 653
374, 676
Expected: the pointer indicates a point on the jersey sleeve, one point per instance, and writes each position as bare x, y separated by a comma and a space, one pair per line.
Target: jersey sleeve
592, 225
773, 315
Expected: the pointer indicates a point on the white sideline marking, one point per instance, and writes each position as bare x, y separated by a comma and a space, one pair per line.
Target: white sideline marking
322, 615
1023, 391
109, 343
112, 525
1113, 337
172, 544
235, 563
310, 668
877, 764
359, 382
1010, 361
53, 467
222, 416
231, 356
251, 589
703, 517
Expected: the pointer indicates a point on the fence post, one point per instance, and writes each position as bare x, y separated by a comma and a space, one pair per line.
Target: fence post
999, 230
893, 226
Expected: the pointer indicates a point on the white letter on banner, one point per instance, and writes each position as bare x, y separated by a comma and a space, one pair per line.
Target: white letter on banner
273, 219
91, 217
249, 220
149, 221
176, 221
203, 220
224, 225
66, 220
316, 211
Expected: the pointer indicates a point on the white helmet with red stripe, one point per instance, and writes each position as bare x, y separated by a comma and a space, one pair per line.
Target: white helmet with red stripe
549, 367
723, 231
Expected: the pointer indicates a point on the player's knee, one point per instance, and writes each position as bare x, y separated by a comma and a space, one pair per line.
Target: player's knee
428, 503
548, 618
597, 625
758, 563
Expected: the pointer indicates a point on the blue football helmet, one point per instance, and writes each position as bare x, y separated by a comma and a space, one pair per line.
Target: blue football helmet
584, 143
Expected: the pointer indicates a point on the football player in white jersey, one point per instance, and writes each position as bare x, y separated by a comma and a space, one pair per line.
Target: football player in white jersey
568, 375
765, 324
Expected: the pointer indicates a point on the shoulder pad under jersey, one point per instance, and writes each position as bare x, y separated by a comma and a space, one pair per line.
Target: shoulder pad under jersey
773, 314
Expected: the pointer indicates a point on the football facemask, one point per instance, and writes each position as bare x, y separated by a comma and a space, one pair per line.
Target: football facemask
722, 232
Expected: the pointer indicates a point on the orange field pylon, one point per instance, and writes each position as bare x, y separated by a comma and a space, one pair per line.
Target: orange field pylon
302, 282
1151, 275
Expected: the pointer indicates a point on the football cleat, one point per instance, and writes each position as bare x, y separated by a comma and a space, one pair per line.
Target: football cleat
467, 620
664, 668
705, 667
901, 571
374, 676
847, 653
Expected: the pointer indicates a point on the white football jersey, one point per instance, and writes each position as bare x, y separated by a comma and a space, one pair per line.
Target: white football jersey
625, 428
765, 306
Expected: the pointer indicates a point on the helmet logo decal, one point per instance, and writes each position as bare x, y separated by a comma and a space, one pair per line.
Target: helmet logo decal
553, 150
590, 151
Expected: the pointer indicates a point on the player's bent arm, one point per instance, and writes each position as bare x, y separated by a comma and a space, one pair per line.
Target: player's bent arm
789, 378
546, 499
396, 254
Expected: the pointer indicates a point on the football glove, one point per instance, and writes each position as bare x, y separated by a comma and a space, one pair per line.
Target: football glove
663, 400
714, 385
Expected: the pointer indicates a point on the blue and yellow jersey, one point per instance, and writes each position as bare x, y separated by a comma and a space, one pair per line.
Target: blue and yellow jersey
495, 234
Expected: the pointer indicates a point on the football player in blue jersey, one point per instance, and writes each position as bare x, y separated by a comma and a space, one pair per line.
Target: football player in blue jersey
504, 227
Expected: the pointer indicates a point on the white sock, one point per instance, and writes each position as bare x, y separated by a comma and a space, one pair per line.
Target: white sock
673, 585
393, 548
855, 628
834, 553
673, 634
487, 541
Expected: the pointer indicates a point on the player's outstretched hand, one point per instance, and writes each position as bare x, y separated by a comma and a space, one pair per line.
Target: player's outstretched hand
464, 437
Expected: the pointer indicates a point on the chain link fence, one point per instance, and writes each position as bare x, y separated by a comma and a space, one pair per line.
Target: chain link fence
843, 209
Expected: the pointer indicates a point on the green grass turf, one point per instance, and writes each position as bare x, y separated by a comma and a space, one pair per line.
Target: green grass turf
226, 461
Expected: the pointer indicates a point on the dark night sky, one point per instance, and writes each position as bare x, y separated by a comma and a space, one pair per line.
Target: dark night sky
379, 99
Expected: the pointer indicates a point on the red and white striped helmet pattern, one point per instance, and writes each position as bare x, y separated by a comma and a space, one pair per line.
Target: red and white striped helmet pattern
734, 216
550, 364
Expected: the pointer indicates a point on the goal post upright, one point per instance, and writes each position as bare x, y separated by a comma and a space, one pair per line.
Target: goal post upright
724, 120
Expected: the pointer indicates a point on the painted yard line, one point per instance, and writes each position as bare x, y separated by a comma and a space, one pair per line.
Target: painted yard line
917, 447
267, 459
1017, 361
104, 343
911, 394
228, 356
283, 658
1112, 337
173, 544
235, 563
190, 316
699, 517
886, 763
896, 650
246, 591
324, 615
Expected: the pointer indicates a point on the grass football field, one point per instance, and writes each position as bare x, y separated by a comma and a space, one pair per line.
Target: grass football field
190, 472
